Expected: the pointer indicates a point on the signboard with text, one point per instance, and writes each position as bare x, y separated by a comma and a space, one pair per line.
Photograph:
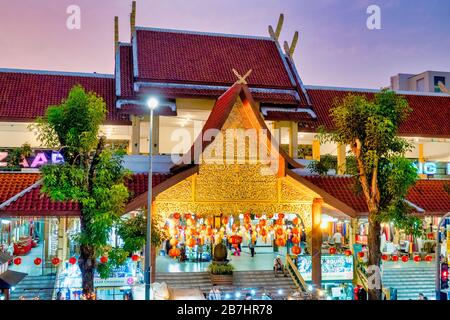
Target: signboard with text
36, 160
334, 267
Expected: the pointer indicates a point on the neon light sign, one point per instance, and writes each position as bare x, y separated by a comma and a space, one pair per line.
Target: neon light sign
38, 160
430, 168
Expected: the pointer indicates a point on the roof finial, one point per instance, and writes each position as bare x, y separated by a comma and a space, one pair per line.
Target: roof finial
276, 34
242, 79
290, 49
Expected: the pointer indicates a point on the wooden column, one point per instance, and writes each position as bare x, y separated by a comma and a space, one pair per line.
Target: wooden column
316, 242
135, 134
316, 150
341, 161
421, 159
293, 139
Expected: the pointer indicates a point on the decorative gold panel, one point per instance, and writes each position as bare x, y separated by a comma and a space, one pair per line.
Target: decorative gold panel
292, 193
180, 192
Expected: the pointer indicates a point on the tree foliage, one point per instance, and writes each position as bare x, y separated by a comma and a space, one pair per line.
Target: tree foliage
92, 175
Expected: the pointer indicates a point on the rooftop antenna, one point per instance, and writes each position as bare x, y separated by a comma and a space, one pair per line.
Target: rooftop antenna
443, 88
276, 34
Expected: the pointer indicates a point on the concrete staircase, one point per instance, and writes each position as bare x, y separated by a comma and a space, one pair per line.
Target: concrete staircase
32, 286
410, 279
244, 282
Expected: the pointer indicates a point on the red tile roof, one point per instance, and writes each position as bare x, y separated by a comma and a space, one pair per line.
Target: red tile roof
289, 116
430, 115
191, 57
429, 195
126, 71
25, 95
34, 203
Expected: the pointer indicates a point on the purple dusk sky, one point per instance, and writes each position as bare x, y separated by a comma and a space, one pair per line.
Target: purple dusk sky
335, 47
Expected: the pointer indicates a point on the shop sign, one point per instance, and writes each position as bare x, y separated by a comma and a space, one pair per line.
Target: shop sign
334, 267
36, 161
431, 168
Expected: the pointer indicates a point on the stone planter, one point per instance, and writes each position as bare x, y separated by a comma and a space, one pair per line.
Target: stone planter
222, 279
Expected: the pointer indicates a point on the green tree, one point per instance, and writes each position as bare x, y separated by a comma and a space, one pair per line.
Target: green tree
384, 175
92, 175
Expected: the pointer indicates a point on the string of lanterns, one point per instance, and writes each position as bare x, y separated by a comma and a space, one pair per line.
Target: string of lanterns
72, 260
197, 231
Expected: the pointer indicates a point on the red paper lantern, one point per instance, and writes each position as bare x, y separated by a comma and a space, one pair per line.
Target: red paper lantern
348, 252
55, 261
269, 215
384, 257
295, 221
187, 216
104, 259
295, 230
263, 232
417, 259
279, 222
428, 258
296, 250
17, 261
262, 222
176, 215
395, 258
209, 231
73, 260
258, 215
135, 257
280, 242
361, 254
332, 250
235, 239
37, 261
190, 242
225, 220
295, 240
281, 216
280, 231
174, 252
405, 258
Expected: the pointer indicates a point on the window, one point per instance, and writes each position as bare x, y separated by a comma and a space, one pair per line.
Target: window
436, 83
420, 85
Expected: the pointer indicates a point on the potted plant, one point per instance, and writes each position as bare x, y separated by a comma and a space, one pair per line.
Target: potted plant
221, 273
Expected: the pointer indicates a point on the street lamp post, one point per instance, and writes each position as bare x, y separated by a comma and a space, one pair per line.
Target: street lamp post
438, 257
152, 103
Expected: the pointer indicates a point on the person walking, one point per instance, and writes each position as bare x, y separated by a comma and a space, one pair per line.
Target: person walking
251, 246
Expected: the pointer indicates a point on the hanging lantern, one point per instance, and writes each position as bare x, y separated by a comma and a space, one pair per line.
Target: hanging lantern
281, 215
235, 239
280, 231
332, 250
173, 242
295, 230
234, 227
405, 258
279, 222
56, 261
104, 259
258, 215
428, 258
225, 220
174, 252
416, 258
296, 250
247, 219
176, 216
295, 221
270, 215
348, 252
395, 258
135, 257
263, 233
37, 261
187, 216
262, 222
209, 231
361, 254
190, 242
280, 242
73, 260
295, 240
384, 257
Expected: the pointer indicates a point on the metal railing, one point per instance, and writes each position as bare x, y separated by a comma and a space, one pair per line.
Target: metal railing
295, 274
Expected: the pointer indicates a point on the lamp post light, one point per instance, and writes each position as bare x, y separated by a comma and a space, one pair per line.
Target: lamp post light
152, 104
438, 257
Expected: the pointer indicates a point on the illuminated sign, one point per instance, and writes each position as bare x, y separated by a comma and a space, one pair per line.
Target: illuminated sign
334, 267
40, 158
431, 168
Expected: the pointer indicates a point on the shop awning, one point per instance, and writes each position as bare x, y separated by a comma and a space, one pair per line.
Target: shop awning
11, 278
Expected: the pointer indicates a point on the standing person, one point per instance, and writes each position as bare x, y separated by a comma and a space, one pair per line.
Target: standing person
199, 250
337, 237
215, 293
251, 246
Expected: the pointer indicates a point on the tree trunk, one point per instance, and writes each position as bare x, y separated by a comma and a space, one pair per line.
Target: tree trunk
87, 262
153, 258
374, 243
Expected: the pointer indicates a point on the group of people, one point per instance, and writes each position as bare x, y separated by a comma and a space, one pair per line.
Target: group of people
216, 294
